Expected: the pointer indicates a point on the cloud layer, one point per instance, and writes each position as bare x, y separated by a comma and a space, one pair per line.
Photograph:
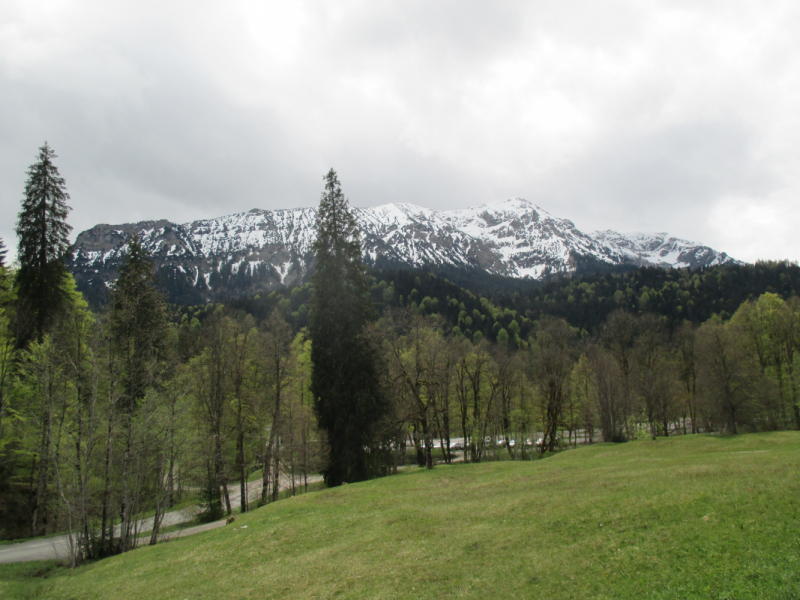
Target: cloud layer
672, 116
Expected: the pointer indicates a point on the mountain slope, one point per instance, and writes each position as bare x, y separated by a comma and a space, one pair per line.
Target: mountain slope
261, 249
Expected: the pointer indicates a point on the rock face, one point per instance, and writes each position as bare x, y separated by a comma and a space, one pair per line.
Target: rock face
260, 250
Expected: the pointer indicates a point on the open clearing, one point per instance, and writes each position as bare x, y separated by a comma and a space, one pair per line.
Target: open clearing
685, 517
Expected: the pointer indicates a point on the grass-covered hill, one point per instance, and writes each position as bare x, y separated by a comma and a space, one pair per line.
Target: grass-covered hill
687, 517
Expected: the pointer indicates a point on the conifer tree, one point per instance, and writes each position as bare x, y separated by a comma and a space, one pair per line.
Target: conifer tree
139, 332
138, 321
43, 246
345, 381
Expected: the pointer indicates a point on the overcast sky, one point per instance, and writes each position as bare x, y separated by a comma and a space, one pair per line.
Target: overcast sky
638, 115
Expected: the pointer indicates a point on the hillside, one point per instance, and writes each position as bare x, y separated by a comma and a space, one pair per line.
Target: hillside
262, 250
687, 517
488, 305
679, 295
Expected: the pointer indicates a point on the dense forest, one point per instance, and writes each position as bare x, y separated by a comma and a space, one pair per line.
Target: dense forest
111, 415
514, 307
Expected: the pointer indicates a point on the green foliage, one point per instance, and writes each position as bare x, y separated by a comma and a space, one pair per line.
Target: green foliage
502, 337
676, 294
138, 323
458, 306
43, 247
345, 382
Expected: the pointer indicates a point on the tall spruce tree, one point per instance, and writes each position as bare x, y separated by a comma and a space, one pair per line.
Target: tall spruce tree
139, 332
43, 247
138, 323
345, 383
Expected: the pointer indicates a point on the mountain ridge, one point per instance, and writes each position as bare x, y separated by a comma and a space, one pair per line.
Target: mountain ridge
263, 249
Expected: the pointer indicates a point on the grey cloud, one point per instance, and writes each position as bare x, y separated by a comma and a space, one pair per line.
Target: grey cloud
619, 114
178, 140
663, 179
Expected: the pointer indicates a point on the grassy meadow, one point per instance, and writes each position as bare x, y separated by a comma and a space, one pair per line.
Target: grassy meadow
685, 517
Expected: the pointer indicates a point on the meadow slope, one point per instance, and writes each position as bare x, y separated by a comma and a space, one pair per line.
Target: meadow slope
687, 517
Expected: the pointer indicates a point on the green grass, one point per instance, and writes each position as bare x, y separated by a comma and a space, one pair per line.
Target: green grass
28, 579
190, 498
689, 517
256, 475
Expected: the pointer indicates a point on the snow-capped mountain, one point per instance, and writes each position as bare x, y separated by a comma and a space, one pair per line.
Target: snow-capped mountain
261, 249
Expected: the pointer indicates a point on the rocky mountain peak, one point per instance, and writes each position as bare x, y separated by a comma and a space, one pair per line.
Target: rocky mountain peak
262, 249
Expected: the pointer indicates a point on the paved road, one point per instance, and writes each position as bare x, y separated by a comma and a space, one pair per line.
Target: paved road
44, 549
57, 547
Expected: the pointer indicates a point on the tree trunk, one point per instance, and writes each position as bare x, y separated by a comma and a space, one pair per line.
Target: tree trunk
127, 500
276, 470
242, 470
106, 528
44, 460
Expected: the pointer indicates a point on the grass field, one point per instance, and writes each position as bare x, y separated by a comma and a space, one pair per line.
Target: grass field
688, 517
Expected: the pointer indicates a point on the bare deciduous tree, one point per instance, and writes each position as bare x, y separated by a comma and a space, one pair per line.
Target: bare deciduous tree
551, 366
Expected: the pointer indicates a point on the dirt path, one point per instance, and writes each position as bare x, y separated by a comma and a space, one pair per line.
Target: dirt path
57, 547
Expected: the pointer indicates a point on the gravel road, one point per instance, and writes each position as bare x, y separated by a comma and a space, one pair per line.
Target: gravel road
57, 547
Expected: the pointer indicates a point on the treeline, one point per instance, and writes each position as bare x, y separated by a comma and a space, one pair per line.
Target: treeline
633, 378
108, 417
114, 416
679, 295
585, 302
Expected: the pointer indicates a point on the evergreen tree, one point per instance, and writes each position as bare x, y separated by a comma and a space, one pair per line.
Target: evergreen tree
43, 246
139, 322
139, 332
345, 382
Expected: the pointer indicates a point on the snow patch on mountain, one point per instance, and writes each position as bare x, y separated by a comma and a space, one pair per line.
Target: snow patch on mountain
260, 249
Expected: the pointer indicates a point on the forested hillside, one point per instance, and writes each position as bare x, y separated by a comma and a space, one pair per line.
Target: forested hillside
487, 304
677, 294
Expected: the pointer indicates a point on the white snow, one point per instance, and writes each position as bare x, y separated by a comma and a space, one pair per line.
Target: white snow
510, 237
283, 270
